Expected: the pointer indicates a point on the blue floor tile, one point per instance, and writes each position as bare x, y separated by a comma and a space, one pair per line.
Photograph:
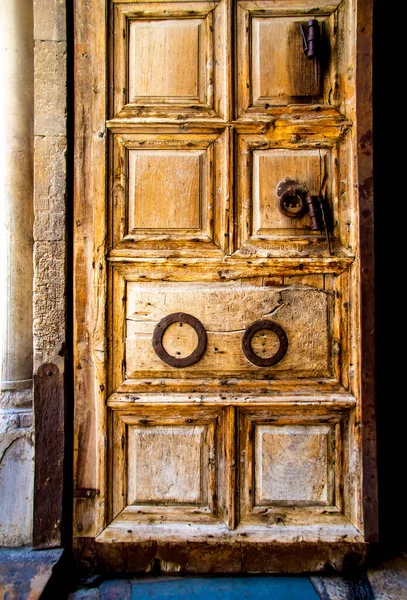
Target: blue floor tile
226, 588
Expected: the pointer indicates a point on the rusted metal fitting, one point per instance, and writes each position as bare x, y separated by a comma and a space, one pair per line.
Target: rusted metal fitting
292, 203
247, 343
311, 39
314, 209
173, 361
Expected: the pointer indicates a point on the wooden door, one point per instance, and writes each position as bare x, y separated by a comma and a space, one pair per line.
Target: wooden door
222, 423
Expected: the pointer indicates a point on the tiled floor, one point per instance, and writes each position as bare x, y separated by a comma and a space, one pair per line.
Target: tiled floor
386, 581
200, 588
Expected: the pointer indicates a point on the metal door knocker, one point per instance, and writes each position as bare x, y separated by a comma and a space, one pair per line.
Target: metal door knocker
192, 358
295, 201
292, 203
247, 343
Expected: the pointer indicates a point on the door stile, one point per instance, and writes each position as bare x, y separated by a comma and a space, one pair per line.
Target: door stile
90, 269
364, 126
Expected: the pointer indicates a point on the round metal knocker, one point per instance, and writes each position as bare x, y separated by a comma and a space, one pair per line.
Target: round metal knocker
173, 361
292, 203
247, 343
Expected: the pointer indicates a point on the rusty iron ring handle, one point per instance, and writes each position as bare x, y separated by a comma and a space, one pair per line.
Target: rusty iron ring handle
247, 339
173, 361
292, 192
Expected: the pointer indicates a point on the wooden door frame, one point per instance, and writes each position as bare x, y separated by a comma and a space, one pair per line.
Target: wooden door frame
270, 558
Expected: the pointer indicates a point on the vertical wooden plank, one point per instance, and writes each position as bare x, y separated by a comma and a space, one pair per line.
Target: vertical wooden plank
89, 340
49, 457
366, 249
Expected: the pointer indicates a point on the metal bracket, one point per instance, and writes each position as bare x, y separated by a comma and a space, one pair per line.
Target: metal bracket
87, 493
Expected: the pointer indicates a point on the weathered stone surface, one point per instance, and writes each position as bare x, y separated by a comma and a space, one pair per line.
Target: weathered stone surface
50, 88
16, 487
24, 573
91, 594
115, 590
49, 303
19, 398
389, 580
50, 188
334, 587
12, 419
50, 20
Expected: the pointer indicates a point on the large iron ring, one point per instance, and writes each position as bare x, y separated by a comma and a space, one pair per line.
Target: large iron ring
247, 343
173, 361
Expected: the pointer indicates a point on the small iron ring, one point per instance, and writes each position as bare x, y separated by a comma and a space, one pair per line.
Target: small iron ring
292, 193
247, 340
173, 361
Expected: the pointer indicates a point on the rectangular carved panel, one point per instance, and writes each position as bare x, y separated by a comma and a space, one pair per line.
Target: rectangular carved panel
291, 464
170, 192
289, 460
167, 465
225, 312
166, 59
158, 67
270, 167
280, 69
272, 68
265, 171
166, 189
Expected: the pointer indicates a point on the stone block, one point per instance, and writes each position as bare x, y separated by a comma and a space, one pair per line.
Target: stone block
24, 573
50, 88
50, 20
16, 398
16, 487
50, 188
49, 303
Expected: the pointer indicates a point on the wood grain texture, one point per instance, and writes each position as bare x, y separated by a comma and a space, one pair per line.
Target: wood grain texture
170, 193
280, 70
291, 464
90, 267
225, 312
169, 59
176, 211
272, 68
168, 463
366, 211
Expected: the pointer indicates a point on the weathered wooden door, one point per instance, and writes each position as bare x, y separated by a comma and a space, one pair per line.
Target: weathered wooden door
223, 420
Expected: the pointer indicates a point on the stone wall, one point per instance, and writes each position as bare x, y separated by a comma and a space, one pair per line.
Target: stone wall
37, 285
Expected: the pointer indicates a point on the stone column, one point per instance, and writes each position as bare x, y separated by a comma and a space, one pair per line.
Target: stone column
16, 256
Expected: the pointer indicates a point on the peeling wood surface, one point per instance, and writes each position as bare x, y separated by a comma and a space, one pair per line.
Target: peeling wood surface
211, 557
189, 132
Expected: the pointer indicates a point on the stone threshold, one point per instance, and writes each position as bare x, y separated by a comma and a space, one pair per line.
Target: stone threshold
25, 574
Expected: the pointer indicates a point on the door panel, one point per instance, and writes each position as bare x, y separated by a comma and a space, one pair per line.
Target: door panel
226, 312
170, 193
169, 58
217, 329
